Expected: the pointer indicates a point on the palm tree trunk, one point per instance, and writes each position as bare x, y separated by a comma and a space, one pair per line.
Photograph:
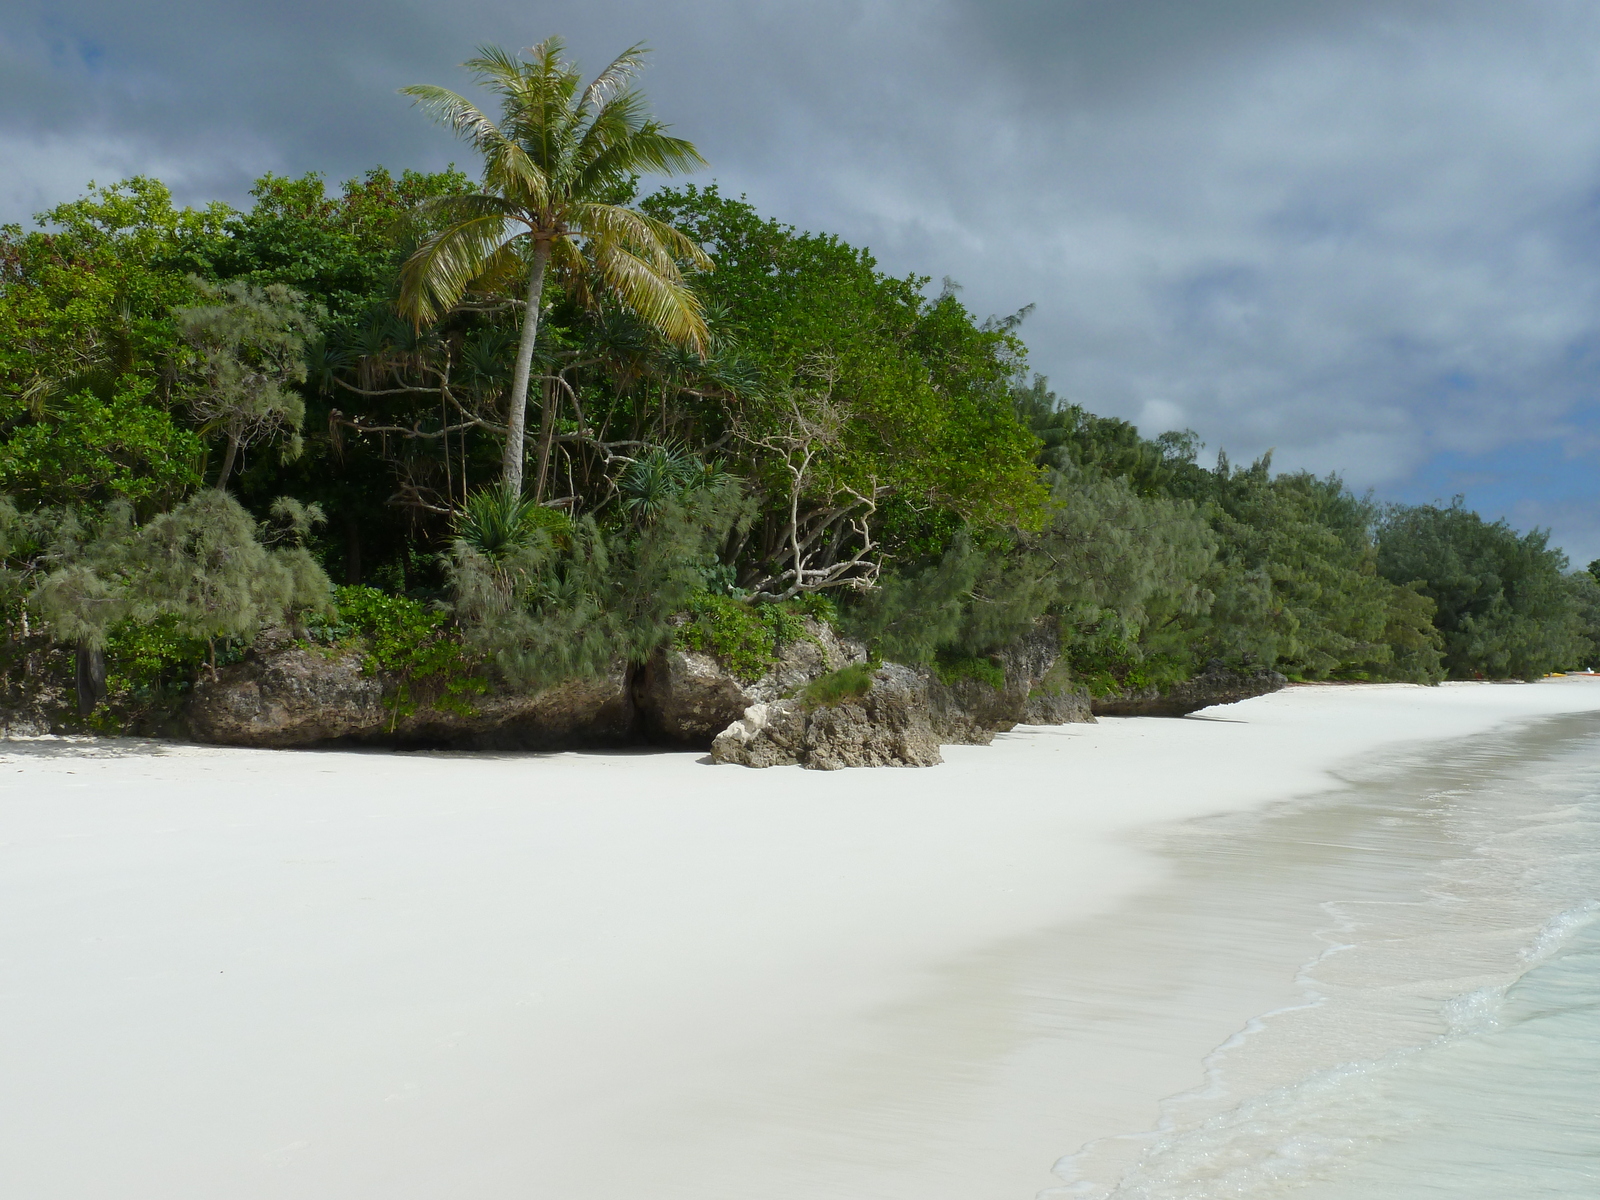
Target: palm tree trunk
517, 418
227, 459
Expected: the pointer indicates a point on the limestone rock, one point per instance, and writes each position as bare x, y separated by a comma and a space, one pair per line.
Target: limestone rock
1037, 691
577, 712
687, 697
1217, 684
1057, 704
888, 726
284, 695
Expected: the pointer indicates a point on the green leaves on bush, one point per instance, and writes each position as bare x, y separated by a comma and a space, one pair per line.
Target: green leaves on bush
409, 643
202, 566
744, 637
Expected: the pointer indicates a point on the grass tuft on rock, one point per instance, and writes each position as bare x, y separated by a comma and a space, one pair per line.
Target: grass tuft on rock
847, 683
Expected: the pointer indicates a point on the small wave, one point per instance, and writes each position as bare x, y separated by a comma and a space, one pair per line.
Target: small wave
1530, 843
1559, 930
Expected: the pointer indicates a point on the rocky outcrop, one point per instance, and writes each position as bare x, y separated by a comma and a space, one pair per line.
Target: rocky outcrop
1217, 684
289, 695
1057, 700
1036, 690
906, 713
577, 712
27, 722
688, 698
886, 726
35, 696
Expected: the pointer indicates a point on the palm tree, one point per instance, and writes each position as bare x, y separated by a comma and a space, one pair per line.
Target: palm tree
552, 165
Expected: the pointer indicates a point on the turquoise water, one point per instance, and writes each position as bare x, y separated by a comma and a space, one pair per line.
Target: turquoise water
1449, 1039
1507, 1106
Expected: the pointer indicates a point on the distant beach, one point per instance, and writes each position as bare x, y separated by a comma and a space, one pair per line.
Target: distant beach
334, 974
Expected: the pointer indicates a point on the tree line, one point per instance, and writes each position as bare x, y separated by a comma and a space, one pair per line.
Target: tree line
536, 416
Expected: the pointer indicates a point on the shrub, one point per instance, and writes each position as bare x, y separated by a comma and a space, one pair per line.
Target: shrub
409, 642
744, 637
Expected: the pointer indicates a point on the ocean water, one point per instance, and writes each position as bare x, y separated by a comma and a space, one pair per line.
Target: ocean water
1447, 1042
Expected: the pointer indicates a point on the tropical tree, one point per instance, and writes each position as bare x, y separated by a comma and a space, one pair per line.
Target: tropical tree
250, 352
555, 166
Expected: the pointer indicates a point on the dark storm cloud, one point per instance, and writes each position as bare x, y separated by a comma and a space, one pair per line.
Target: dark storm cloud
1361, 233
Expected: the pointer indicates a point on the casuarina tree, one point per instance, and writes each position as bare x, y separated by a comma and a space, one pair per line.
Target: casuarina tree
555, 164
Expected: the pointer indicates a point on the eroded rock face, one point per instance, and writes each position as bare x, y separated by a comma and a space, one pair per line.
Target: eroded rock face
1037, 691
908, 712
1217, 684
687, 697
287, 695
578, 712
888, 726
1057, 703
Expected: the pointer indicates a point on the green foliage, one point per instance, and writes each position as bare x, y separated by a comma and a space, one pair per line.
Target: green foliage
80, 448
412, 645
248, 351
919, 388
345, 248
1107, 658
86, 342
746, 638
1106, 557
575, 607
151, 667
201, 566
1107, 446
1298, 583
1505, 605
836, 687
497, 523
1585, 590
949, 667
878, 432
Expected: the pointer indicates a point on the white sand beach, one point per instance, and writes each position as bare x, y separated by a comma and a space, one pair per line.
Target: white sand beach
339, 975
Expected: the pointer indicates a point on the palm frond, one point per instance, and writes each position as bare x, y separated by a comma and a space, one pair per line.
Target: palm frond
433, 278
653, 239
615, 77
659, 300
641, 152
568, 264
504, 159
504, 271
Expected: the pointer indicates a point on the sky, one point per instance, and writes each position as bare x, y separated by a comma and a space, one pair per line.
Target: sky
1364, 235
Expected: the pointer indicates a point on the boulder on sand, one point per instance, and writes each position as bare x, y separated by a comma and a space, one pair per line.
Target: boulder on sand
885, 726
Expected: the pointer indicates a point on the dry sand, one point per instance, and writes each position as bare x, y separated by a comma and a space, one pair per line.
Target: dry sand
320, 975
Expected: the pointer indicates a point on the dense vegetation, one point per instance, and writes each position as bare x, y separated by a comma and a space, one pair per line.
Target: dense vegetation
209, 417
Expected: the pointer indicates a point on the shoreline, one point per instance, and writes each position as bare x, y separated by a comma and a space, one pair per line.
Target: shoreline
329, 973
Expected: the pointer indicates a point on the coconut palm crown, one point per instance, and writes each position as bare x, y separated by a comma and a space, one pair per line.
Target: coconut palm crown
558, 153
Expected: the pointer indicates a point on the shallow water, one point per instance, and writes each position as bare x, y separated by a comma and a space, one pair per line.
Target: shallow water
1447, 1036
